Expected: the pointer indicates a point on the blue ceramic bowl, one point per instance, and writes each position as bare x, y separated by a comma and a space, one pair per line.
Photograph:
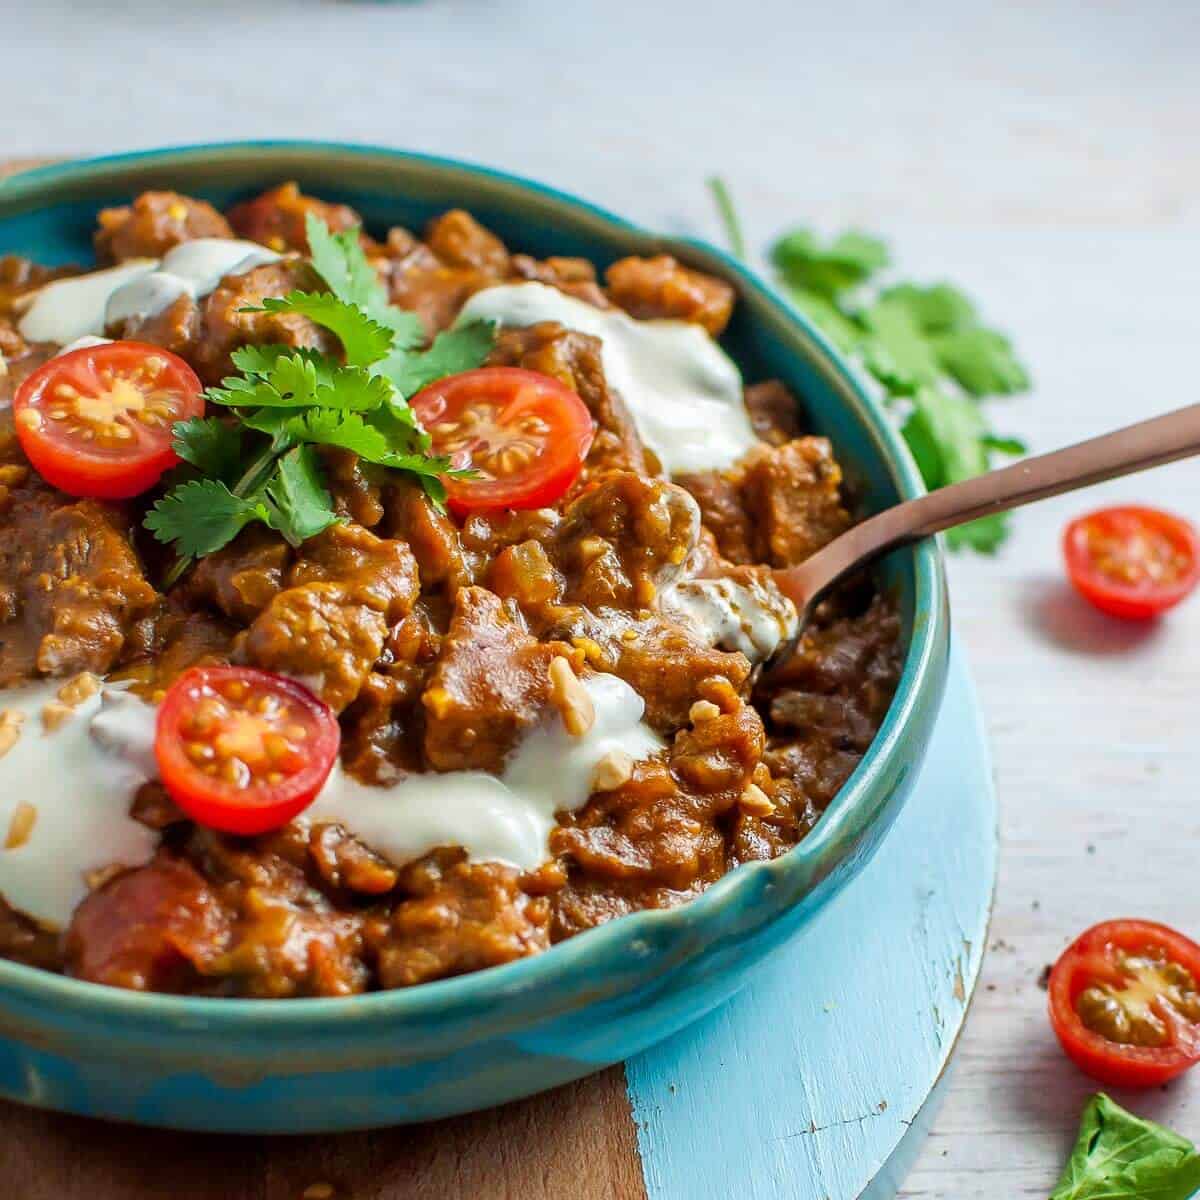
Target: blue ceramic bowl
478, 1040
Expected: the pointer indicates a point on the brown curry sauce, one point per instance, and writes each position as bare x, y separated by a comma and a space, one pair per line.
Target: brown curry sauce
433, 639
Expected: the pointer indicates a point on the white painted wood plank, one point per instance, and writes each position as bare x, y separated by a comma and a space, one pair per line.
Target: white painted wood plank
1042, 153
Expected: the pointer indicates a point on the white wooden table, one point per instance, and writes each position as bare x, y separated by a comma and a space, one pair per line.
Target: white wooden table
1044, 155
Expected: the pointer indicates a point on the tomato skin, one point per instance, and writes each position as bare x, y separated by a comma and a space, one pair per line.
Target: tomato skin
1143, 598
260, 805
530, 418
1089, 959
117, 470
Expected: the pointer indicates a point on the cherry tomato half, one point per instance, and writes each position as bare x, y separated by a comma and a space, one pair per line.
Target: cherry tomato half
1125, 1003
241, 750
98, 421
525, 434
1132, 562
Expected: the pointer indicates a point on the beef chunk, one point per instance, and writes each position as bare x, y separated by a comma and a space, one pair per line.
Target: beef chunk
489, 686
459, 917
779, 505
225, 325
25, 941
659, 838
460, 241
329, 626
719, 495
793, 495
244, 577
286, 938
345, 862
662, 287
154, 928
379, 573
625, 540
318, 633
153, 224
18, 360
434, 278
430, 534
756, 837
854, 658
663, 662
574, 276
826, 704
277, 218
171, 642
71, 587
419, 281
355, 485
773, 412
176, 328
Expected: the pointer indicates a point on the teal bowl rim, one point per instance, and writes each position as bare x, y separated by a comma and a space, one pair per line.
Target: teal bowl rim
842, 823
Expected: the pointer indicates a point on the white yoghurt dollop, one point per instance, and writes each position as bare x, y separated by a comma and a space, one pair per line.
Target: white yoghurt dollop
67, 310
495, 818
81, 778
683, 391
732, 614
192, 269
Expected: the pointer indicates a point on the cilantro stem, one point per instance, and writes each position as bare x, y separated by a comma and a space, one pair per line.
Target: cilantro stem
176, 573
728, 214
256, 474
253, 478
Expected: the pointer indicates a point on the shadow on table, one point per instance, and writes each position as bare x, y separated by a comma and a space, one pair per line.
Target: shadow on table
1061, 616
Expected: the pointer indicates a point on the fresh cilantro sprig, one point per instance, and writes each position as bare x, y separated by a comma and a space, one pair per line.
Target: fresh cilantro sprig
927, 346
259, 461
1122, 1157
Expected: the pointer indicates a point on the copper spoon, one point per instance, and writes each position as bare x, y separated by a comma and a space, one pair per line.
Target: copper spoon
1135, 448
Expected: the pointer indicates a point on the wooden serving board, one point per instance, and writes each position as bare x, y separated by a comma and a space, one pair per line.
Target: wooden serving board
817, 1082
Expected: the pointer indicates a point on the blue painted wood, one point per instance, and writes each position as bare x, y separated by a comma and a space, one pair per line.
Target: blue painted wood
805, 1085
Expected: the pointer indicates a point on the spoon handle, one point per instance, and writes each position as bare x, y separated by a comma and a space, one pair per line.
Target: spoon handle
1135, 448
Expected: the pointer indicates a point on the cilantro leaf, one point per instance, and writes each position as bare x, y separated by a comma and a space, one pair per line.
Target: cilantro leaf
258, 360
303, 380
946, 433
300, 504
212, 446
936, 308
354, 390
840, 329
828, 270
339, 259
202, 516
926, 345
363, 339
984, 535
1122, 1157
898, 353
345, 429
1011, 446
982, 361
398, 423
453, 351
300, 399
